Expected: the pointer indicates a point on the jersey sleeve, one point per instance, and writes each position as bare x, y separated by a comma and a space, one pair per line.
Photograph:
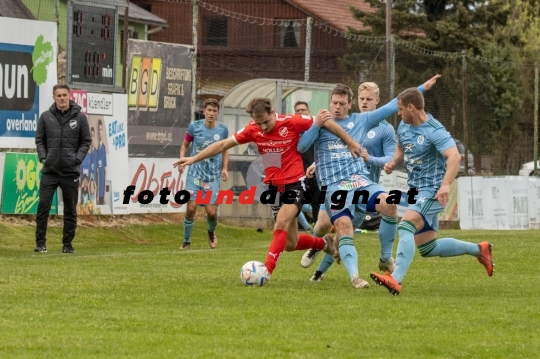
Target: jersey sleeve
308, 138
442, 139
190, 133
244, 135
302, 123
389, 147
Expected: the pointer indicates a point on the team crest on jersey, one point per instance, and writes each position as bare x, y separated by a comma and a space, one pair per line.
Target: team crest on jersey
371, 134
216, 137
420, 139
284, 131
350, 125
73, 124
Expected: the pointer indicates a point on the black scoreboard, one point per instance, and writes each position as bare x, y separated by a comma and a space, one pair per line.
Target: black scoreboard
92, 30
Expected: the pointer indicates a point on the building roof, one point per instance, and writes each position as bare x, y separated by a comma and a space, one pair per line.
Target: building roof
140, 15
335, 13
16, 9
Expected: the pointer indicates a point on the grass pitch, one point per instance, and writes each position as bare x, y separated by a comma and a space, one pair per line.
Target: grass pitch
131, 293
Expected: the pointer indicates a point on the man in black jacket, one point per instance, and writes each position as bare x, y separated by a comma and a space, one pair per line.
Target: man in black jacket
62, 141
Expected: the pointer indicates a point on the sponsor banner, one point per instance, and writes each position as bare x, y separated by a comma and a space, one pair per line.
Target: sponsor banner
100, 104
80, 97
153, 174
159, 86
2, 161
534, 204
509, 202
28, 61
104, 171
21, 179
155, 135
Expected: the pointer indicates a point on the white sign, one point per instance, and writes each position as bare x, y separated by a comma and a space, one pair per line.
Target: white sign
99, 104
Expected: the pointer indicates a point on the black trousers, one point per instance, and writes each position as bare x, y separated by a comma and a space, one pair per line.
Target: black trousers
70, 191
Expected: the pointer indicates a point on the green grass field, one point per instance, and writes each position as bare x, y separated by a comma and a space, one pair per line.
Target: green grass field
129, 292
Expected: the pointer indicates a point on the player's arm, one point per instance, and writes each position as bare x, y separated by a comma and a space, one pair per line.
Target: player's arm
183, 149
396, 160
41, 139
212, 150
452, 167
337, 130
312, 134
389, 149
383, 112
224, 166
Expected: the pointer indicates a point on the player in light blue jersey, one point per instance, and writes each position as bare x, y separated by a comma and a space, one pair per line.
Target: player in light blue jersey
204, 176
346, 180
432, 161
377, 149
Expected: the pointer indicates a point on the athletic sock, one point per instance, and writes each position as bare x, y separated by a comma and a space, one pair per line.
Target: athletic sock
387, 234
211, 224
405, 250
348, 255
448, 247
277, 246
188, 228
305, 241
326, 263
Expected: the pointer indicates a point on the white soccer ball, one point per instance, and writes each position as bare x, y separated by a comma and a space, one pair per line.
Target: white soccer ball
254, 274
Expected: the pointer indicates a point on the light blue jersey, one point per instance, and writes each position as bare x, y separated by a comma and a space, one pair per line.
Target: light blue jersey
333, 158
380, 144
422, 152
207, 170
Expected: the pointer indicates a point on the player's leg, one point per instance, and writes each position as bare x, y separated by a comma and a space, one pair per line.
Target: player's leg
387, 231
322, 226
189, 219
212, 215
47, 187
70, 191
284, 216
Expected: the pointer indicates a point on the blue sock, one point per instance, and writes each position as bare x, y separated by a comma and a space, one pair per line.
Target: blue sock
405, 250
211, 224
448, 247
326, 263
348, 255
188, 228
387, 233
303, 221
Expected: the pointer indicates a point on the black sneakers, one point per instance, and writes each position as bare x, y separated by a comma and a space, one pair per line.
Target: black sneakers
40, 249
68, 249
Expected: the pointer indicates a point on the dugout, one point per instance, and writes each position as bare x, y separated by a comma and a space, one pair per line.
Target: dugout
284, 94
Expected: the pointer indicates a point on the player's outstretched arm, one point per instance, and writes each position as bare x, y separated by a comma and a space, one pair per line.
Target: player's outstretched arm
212, 150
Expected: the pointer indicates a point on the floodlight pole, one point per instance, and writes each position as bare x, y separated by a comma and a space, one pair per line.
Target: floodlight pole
535, 153
389, 55
308, 48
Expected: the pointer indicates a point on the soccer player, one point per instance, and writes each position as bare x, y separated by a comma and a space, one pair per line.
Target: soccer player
346, 180
279, 134
204, 176
378, 148
432, 161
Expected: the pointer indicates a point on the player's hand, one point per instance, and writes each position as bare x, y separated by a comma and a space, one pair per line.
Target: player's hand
355, 148
429, 83
310, 172
443, 194
364, 154
389, 167
182, 163
224, 175
322, 117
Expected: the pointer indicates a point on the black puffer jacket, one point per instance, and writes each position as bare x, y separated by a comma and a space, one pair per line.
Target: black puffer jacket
63, 140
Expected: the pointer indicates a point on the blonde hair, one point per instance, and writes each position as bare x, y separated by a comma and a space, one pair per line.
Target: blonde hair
372, 86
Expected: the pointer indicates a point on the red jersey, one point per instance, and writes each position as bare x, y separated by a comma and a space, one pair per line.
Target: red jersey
286, 166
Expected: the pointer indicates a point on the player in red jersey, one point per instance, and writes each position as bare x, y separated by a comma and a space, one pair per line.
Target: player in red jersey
279, 134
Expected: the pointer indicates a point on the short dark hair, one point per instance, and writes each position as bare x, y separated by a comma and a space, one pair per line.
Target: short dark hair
412, 96
341, 90
258, 106
60, 86
211, 102
301, 103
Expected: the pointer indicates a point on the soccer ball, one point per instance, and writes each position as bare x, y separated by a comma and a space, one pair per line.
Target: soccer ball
254, 274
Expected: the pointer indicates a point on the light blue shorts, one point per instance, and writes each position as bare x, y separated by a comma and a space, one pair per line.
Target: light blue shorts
196, 185
364, 204
429, 208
